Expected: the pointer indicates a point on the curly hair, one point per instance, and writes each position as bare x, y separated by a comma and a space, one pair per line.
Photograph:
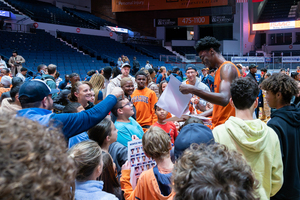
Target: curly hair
213, 173
156, 143
206, 43
33, 162
243, 92
97, 82
282, 83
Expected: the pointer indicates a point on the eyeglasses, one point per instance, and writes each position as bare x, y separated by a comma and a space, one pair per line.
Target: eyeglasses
127, 104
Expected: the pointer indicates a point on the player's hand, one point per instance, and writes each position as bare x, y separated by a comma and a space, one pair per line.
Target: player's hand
134, 137
185, 88
126, 165
118, 92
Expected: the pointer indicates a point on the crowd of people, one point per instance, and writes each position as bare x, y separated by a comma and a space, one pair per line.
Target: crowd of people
66, 139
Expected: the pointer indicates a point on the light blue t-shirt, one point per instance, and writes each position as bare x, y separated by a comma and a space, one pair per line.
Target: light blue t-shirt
78, 138
128, 129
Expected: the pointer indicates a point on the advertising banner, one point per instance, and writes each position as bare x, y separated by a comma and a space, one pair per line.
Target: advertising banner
142, 5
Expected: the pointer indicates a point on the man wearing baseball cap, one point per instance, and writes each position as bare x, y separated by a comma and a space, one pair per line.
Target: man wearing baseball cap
116, 82
191, 79
175, 73
36, 101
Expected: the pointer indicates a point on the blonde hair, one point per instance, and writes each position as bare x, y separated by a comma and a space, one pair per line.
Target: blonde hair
97, 82
87, 155
156, 143
124, 80
161, 69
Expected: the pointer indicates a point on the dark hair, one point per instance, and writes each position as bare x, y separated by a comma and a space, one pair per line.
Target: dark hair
213, 172
141, 73
73, 75
15, 51
25, 104
13, 92
91, 73
155, 69
206, 43
243, 92
116, 71
191, 120
107, 72
160, 86
282, 83
150, 70
108, 176
40, 67
294, 75
282, 69
114, 110
264, 70
211, 70
6, 70
71, 107
23, 69
99, 132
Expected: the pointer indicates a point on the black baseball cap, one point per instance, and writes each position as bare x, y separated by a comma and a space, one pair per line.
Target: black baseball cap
252, 66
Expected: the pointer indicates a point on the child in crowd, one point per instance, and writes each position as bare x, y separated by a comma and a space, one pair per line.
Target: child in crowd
87, 156
154, 183
75, 107
162, 87
105, 134
257, 142
168, 127
213, 172
108, 176
144, 99
125, 124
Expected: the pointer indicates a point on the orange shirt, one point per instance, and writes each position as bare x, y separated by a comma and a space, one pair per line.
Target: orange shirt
147, 186
144, 101
221, 113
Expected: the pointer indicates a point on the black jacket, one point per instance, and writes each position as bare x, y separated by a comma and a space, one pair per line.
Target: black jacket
252, 76
135, 66
286, 123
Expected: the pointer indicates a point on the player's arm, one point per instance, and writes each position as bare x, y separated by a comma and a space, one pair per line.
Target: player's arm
228, 73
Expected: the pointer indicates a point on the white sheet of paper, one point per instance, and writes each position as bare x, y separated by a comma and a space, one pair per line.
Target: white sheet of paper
172, 100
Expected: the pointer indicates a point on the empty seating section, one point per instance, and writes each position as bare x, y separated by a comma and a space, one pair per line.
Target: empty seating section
109, 49
152, 50
5, 7
90, 18
46, 12
184, 50
276, 10
42, 48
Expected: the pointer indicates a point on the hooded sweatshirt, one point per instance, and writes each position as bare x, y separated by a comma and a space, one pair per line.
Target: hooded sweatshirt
116, 82
286, 123
92, 190
153, 184
260, 147
8, 106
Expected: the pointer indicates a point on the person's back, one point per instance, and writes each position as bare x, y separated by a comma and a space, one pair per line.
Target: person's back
257, 142
285, 121
154, 183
